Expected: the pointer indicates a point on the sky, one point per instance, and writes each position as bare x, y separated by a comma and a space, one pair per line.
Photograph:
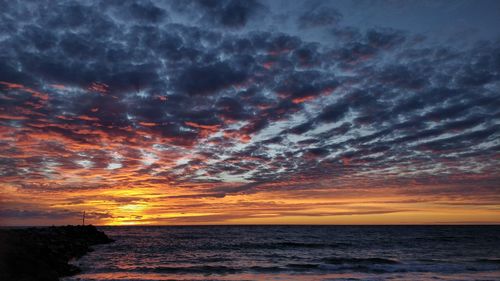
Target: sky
249, 112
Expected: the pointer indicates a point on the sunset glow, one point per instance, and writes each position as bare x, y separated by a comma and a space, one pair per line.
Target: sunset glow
180, 112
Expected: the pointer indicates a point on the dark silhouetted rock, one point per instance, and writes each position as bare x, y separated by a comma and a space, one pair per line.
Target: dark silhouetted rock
42, 254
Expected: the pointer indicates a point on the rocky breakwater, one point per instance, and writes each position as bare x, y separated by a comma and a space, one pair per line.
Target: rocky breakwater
42, 254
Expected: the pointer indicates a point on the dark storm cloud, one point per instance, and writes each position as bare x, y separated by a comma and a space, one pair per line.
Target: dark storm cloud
204, 92
318, 16
208, 79
145, 11
226, 13
334, 112
302, 128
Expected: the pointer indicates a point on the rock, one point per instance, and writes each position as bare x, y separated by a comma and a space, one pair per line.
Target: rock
42, 254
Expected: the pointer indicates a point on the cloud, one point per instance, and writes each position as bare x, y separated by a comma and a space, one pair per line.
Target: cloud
197, 80
210, 98
319, 16
226, 13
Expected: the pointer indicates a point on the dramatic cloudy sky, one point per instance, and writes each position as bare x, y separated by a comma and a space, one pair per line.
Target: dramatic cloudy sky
188, 112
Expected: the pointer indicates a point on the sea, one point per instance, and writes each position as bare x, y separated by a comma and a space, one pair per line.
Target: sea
295, 253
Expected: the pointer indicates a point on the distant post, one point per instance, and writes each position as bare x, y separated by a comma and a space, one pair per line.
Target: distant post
83, 218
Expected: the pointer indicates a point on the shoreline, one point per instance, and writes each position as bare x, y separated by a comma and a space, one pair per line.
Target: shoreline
43, 253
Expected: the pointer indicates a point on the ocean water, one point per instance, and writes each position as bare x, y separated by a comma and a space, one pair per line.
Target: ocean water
295, 253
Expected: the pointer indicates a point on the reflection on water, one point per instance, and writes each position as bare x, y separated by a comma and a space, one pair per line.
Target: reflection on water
295, 253
295, 277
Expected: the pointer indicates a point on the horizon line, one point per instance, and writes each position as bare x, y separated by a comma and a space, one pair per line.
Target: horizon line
214, 225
